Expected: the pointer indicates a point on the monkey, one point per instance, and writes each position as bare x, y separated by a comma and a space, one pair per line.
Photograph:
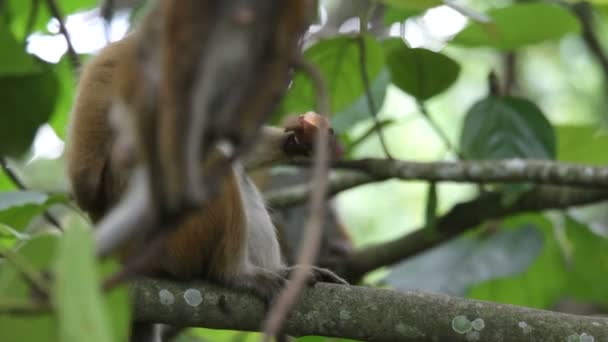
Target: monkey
231, 239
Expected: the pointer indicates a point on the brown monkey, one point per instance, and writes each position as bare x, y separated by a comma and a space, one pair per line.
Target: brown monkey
231, 239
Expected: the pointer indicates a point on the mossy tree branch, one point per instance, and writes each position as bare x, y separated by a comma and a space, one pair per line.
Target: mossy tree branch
368, 314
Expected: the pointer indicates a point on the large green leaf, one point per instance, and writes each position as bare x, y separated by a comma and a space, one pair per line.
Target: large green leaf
18, 208
541, 284
39, 253
359, 110
519, 25
420, 72
588, 268
338, 61
455, 266
509, 127
76, 293
14, 61
29, 92
580, 274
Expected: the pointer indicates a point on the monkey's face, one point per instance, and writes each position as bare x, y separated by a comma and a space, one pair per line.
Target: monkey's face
305, 129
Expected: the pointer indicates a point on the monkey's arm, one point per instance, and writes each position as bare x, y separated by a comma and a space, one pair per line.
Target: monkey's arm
94, 177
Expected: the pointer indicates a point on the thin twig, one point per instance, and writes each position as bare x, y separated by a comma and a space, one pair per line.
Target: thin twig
13, 306
510, 67
313, 228
583, 11
366, 83
440, 133
374, 128
27, 270
56, 12
21, 186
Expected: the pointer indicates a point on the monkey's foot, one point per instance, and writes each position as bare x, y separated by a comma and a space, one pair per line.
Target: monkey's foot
318, 274
263, 284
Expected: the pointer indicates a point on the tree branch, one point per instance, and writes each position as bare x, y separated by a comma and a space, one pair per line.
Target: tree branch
368, 314
494, 171
364, 171
459, 219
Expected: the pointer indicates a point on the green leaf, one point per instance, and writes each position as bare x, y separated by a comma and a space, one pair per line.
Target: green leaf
9, 236
588, 269
14, 60
338, 61
582, 144
67, 80
413, 4
397, 15
580, 275
498, 128
117, 302
28, 102
519, 25
18, 208
456, 265
39, 253
6, 183
419, 72
359, 110
76, 293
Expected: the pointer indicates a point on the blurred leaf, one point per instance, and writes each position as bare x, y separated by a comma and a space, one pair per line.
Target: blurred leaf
76, 293
359, 110
456, 265
21, 10
551, 277
588, 270
117, 303
28, 102
14, 60
6, 183
519, 25
39, 252
397, 15
419, 72
582, 144
497, 128
67, 81
338, 61
28, 328
9, 236
18, 208
413, 4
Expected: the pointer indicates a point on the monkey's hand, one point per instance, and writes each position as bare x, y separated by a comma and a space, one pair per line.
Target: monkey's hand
304, 130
